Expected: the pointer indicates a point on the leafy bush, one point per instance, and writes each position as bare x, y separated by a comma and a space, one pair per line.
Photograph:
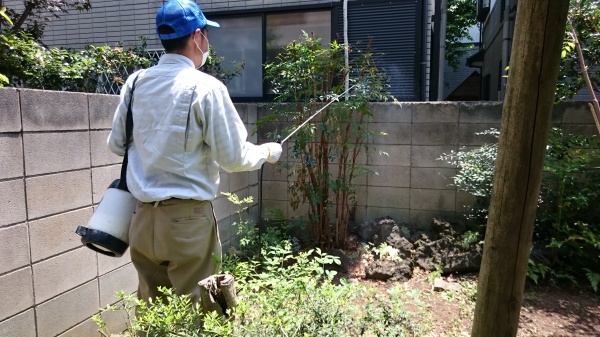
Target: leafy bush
291, 295
567, 236
27, 64
325, 153
280, 293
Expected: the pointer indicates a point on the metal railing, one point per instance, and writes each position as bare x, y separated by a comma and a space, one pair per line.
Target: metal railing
107, 85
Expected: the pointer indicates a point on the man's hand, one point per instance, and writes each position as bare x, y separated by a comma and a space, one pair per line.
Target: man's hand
273, 151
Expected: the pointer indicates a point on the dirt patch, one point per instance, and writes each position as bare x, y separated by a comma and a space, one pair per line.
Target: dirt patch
545, 312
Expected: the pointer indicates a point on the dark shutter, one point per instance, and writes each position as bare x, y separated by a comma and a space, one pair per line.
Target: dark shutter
396, 29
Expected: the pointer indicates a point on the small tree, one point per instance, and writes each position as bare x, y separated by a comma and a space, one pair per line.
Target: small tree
461, 16
325, 151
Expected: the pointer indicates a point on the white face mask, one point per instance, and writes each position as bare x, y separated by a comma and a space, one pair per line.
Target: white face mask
204, 54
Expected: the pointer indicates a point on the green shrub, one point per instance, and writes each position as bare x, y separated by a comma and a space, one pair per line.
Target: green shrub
307, 75
28, 64
291, 295
280, 293
567, 235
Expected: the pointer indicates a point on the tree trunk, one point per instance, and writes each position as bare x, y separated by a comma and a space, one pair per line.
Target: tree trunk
526, 114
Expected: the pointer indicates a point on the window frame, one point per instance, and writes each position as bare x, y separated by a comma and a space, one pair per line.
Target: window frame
263, 12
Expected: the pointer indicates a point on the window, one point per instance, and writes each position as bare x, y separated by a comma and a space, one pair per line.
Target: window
287, 27
257, 38
240, 39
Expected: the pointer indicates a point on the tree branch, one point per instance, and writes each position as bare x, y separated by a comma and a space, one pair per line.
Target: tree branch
26, 13
584, 70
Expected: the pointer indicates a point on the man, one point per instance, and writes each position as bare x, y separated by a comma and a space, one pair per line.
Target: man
184, 128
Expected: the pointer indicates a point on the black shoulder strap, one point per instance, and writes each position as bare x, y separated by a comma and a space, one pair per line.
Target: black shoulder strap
128, 136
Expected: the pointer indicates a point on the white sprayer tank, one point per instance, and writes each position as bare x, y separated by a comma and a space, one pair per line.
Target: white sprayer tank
107, 231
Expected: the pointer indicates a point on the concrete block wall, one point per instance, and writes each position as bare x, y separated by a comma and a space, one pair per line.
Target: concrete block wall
54, 169
411, 183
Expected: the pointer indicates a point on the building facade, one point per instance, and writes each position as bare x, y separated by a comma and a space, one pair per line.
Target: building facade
253, 30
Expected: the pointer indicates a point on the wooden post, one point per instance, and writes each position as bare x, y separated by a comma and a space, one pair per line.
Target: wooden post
534, 64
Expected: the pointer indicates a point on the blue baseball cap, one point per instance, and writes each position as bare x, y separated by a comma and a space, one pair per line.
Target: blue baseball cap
183, 16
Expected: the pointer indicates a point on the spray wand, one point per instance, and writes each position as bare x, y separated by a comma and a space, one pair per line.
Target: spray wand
335, 99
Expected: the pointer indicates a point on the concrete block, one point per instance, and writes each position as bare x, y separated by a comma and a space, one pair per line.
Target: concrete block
102, 177
574, 113
253, 177
429, 156
116, 321
54, 110
224, 178
434, 200
435, 134
300, 212
65, 311
421, 219
392, 112
481, 112
85, 328
273, 172
360, 214
12, 199
63, 272
69, 190
226, 230
432, 178
390, 176
269, 204
106, 264
388, 197
252, 113
124, 278
242, 110
11, 156
99, 151
253, 192
10, 118
390, 155
581, 129
467, 134
55, 152
21, 325
238, 181
441, 112
398, 214
464, 200
253, 137
275, 190
16, 292
56, 234
223, 208
391, 133
15, 248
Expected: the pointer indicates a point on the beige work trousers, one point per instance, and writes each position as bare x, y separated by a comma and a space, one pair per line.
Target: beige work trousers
174, 243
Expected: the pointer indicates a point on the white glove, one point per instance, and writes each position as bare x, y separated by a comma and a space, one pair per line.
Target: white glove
273, 151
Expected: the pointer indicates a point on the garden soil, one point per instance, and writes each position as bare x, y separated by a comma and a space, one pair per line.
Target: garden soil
546, 311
